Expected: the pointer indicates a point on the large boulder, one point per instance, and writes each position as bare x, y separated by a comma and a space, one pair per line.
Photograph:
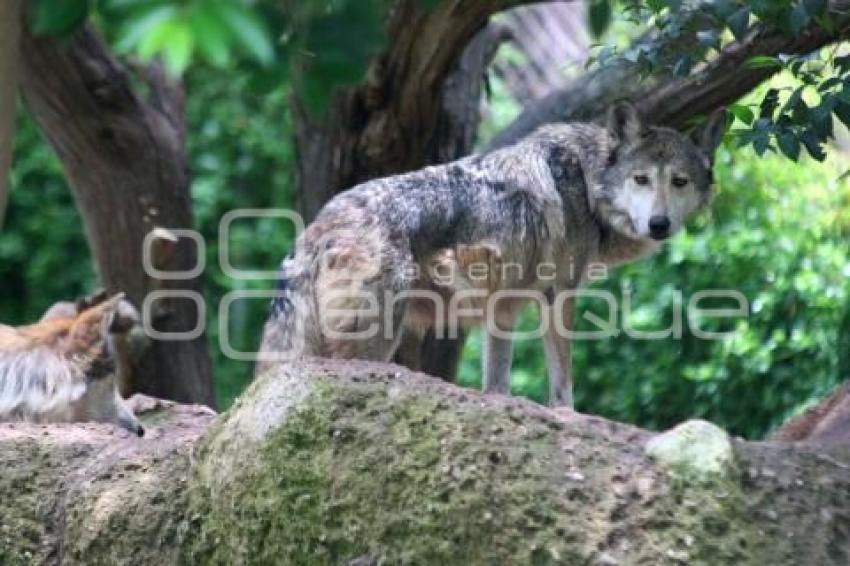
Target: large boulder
335, 463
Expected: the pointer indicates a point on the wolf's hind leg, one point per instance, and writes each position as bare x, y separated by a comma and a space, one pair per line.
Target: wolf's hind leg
496, 365
498, 350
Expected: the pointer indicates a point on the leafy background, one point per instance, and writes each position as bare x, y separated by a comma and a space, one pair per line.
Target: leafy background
777, 230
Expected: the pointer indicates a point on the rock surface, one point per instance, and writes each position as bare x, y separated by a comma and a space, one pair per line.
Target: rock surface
695, 450
335, 463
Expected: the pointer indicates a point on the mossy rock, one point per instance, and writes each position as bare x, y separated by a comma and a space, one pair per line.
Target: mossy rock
358, 464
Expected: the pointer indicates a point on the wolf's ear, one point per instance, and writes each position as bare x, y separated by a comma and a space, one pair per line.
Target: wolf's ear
625, 122
708, 136
100, 318
118, 314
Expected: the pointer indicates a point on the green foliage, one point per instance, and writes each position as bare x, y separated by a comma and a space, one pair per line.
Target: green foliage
599, 14
178, 31
800, 116
325, 43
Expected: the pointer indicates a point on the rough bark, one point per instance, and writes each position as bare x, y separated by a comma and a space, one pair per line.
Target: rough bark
674, 101
366, 464
10, 33
126, 162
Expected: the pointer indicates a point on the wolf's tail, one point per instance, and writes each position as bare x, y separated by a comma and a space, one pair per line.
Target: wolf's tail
285, 334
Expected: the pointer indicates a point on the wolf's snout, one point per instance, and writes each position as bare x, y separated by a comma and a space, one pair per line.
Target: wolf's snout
659, 227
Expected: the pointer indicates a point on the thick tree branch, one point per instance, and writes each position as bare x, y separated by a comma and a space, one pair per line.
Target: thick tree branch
674, 101
126, 162
728, 78
10, 33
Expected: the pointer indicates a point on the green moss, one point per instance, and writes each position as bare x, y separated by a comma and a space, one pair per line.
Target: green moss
353, 472
30, 471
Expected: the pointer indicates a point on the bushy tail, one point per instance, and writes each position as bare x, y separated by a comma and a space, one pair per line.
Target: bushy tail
286, 332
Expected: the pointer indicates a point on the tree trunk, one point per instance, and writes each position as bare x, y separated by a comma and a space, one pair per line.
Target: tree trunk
355, 463
126, 162
10, 35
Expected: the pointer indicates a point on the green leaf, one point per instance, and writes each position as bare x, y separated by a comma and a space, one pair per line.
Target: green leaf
742, 113
814, 145
656, 5
739, 23
821, 116
52, 17
212, 35
723, 9
178, 51
769, 104
829, 84
248, 30
762, 62
843, 63
789, 145
761, 143
599, 16
842, 112
141, 25
173, 41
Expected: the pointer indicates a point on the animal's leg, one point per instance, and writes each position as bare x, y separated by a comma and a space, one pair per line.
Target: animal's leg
498, 347
558, 355
496, 366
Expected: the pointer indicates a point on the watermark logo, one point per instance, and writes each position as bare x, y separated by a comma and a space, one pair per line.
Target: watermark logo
357, 304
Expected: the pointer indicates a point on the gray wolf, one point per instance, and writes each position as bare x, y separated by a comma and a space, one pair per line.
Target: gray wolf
62, 369
463, 243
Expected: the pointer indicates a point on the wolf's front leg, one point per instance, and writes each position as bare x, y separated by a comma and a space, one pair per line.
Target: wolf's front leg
558, 354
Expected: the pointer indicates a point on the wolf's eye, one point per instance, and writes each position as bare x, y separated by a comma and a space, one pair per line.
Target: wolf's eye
680, 181
641, 179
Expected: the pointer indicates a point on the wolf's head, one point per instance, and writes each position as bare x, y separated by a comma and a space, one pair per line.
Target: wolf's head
656, 177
